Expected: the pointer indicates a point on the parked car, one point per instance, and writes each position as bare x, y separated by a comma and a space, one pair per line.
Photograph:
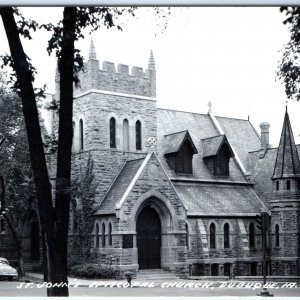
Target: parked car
6, 271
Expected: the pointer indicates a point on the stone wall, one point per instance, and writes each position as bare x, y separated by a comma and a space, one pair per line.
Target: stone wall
96, 109
238, 255
120, 80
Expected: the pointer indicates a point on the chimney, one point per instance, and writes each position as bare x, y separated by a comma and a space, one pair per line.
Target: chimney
264, 133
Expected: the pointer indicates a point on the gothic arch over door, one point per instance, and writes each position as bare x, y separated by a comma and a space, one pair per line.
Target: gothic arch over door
148, 230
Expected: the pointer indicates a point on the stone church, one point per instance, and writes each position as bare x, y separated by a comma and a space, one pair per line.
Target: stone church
181, 191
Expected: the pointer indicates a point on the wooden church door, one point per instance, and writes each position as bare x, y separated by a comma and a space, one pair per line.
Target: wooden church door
148, 239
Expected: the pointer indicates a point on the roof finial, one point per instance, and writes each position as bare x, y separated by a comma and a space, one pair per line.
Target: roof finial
286, 104
151, 64
209, 104
92, 51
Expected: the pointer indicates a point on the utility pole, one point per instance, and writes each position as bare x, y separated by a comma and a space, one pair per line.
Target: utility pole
263, 223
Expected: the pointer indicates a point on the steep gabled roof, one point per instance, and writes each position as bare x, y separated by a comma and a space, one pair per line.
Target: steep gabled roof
287, 161
242, 137
120, 185
211, 146
239, 133
174, 141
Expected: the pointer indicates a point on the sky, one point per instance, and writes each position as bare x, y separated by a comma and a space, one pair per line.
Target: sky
224, 55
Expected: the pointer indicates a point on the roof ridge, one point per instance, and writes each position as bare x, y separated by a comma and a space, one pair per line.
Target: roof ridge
273, 148
213, 136
134, 159
232, 118
183, 111
176, 132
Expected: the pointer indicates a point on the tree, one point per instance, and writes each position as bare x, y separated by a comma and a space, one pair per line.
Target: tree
289, 68
16, 175
54, 218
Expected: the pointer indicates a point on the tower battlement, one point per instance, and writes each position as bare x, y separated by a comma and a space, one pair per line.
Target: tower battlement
120, 78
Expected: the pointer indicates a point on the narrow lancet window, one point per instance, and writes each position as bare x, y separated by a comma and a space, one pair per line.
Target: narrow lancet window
251, 235
226, 236
103, 235
138, 135
126, 135
112, 132
212, 236
81, 141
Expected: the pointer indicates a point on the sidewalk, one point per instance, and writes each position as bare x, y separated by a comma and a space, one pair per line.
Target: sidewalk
82, 282
214, 281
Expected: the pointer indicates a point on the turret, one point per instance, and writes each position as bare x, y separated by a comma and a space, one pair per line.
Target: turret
284, 230
92, 67
151, 73
92, 51
287, 166
151, 64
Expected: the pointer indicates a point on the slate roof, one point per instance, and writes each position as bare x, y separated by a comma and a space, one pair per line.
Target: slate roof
240, 134
287, 160
174, 141
212, 145
120, 185
217, 199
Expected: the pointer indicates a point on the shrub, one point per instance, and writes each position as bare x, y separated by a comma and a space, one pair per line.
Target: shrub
89, 270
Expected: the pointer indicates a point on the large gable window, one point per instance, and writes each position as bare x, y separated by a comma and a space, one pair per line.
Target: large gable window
179, 152
216, 154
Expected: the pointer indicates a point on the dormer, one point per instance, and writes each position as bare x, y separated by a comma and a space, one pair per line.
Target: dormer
216, 155
179, 151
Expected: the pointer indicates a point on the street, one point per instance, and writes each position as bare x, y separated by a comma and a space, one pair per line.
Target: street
13, 289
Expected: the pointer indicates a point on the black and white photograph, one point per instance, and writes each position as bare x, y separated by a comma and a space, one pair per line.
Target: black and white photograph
149, 151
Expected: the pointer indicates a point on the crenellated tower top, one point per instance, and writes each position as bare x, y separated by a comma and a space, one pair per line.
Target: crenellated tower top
107, 76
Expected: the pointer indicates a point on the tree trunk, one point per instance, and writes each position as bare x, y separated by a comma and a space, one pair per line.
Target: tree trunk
36, 148
65, 136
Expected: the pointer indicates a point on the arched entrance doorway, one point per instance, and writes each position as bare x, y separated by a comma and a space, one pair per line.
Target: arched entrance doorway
148, 230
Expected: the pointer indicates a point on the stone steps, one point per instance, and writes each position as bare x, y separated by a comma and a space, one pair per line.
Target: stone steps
155, 274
